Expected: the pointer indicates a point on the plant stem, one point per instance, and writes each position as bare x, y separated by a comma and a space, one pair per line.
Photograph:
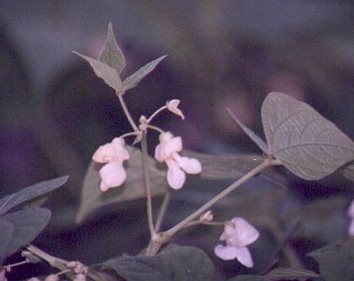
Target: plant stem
126, 112
162, 212
53, 261
144, 153
172, 231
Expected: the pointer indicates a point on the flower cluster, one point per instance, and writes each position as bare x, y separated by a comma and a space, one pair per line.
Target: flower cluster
238, 234
167, 151
113, 154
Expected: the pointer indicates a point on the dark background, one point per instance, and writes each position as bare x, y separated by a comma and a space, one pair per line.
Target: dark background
54, 112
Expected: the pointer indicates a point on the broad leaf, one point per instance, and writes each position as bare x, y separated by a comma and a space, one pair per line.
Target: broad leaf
256, 139
5, 237
289, 273
336, 261
177, 264
308, 145
26, 224
133, 188
29, 193
133, 80
111, 54
109, 75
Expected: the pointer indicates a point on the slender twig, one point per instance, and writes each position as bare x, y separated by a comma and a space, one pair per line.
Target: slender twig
156, 113
162, 211
126, 112
144, 152
53, 261
172, 231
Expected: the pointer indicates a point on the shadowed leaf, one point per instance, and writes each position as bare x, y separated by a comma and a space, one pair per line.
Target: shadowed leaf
133, 188
111, 54
133, 80
5, 237
336, 261
29, 193
177, 264
26, 224
279, 274
109, 75
308, 145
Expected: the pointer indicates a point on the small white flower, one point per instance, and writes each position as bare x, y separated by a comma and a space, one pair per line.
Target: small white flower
238, 234
172, 106
167, 151
207, 216
113, 154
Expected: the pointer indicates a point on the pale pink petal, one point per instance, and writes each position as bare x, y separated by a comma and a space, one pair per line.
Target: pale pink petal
229, 230
243, 255
175, 176
159, 153
351, 228
225, 252
104, 154
112, 175
120, 150
351, 210
172, 106
244, 233
189, 165
174, 145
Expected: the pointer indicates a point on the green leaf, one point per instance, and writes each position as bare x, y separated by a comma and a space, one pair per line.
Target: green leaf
177, 264
133, 80
109, 75
26, 224
289, 273
249, 278
29, 193
5, 237
133, 188
111, 54
319, 219
308, 145
336, 261
256, 139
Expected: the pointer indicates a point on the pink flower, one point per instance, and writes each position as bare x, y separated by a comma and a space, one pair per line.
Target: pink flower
167, 151
114, 153
172, 106
238, 234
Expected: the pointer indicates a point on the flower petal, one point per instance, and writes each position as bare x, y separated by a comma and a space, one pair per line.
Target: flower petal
104, 154
351, 210
189, 165
225, 252
112, 175
243, 255
175, 176
172, 106
244, 233
351, 228
120, 150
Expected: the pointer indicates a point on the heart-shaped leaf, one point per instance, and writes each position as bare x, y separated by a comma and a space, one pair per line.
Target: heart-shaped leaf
26, 224
109, 75
133, 188
111, 54
133, 80
5, 237
177, 264
308, 145
29, 193
336, 261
